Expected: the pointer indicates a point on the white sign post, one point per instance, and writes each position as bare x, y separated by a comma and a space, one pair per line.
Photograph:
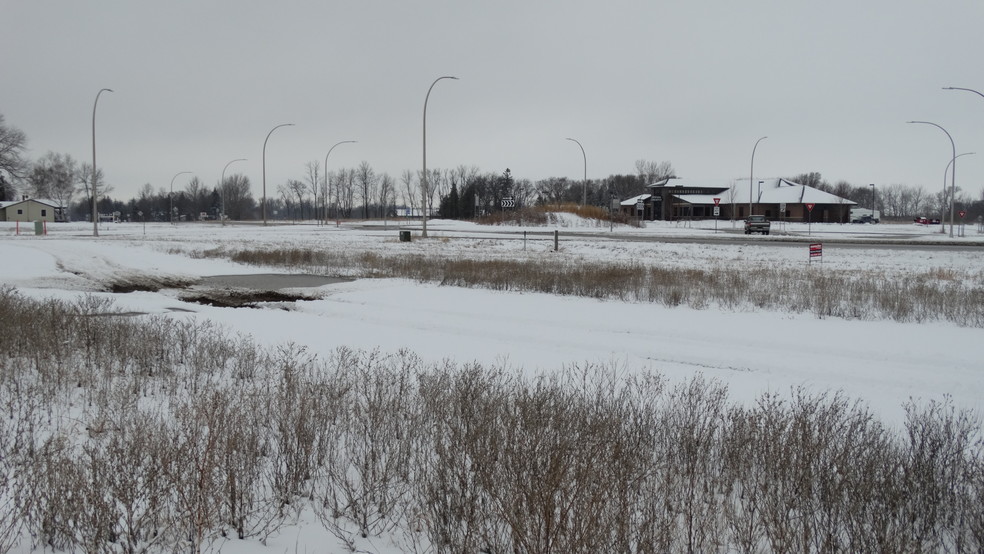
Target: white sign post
717, 213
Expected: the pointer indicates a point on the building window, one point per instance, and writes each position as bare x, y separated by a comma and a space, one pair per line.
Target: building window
44, 213
20, 211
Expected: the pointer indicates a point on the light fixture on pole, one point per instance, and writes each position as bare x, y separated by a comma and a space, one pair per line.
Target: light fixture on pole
222, 189
751, 174
327, 189
172, 193
945, 171
92, 178
424, 193
953, 174
584, 184
264, 166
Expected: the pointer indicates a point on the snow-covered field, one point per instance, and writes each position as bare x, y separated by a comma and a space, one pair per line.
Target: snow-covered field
883, 363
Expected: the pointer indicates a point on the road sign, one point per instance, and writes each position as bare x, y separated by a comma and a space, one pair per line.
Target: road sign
816, 251
962, 213
508, 202
782, 207
717, 201
639, 206
717, 211
809, 206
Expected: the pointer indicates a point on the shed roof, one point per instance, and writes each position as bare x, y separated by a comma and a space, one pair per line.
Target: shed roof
51, 203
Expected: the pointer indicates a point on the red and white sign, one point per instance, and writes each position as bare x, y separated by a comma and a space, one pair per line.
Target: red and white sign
962, 213
809, 206
816, 250
718, 201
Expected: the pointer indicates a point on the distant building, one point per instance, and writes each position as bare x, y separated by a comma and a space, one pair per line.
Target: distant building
776, 199
31, 209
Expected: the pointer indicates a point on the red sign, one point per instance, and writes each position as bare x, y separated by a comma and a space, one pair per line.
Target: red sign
809, 207
816, 249
718, 201
962, 213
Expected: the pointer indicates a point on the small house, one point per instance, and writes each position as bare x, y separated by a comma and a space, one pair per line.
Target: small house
30, 209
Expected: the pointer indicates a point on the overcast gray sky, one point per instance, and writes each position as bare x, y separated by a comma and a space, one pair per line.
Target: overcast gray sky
695, 83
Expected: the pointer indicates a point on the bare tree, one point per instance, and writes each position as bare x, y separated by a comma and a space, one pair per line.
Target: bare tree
198, 195
346, 191
387, 192
652, 172
366, 178
409, 192
237, 197
13, 143
53, 177
553, 190
314, 181
84, 176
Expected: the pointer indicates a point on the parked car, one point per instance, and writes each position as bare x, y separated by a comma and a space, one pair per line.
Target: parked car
927, 221
757, 224
865, 219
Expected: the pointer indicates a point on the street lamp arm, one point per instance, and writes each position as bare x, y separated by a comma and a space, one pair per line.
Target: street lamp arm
953, 174
264, 165
751, 174
584, 185
978, 93
423, 177
95, 213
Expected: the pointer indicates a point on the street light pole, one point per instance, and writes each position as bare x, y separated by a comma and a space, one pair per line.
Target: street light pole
953, 174
872, 185
945, 171
95, 214
222, 189
264, 166
424, 193
751, 174
172, 193
327, 189
584, 184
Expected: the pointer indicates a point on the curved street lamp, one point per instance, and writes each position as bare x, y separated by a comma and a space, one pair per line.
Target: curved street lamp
264, 165
584, 184
947, 170
327, 191
423, 178
172, 193
953, 174
222, 189
966, 89
751, 174
95, 214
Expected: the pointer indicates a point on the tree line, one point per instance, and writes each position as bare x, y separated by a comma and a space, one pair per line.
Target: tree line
463, 192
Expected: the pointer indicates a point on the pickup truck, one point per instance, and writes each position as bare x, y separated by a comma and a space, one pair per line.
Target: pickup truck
757, 224
866, 218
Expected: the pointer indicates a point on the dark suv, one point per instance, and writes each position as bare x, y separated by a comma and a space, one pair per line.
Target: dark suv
757, 224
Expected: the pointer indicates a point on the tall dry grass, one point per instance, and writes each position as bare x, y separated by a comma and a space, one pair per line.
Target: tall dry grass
145, 434
934, 295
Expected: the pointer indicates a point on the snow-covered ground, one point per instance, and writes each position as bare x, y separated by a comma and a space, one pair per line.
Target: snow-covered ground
883, 363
